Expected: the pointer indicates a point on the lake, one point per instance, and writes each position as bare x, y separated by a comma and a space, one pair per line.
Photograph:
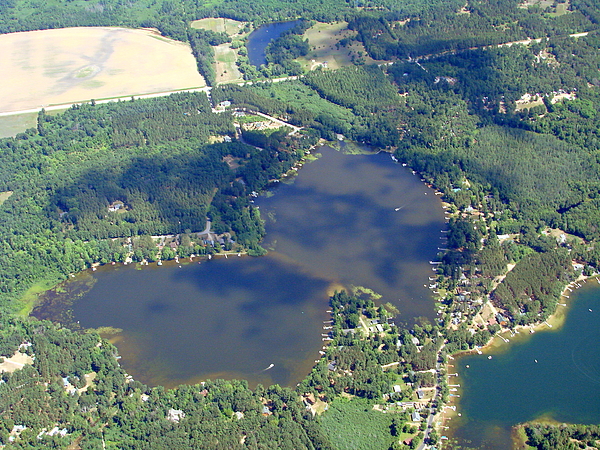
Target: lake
344, 220
262, 36
550, 374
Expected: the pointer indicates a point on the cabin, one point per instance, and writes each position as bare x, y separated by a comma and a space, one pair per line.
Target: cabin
175, 415
116, 206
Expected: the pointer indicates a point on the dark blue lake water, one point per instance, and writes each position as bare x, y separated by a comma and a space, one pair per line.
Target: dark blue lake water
260, 38
553, 374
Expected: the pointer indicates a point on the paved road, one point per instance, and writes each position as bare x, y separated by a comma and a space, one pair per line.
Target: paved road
206, 89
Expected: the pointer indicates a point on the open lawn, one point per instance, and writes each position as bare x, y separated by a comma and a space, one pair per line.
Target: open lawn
227, 70
341, 420
10, 126
219, 25
42, 68
15, 362
322, 38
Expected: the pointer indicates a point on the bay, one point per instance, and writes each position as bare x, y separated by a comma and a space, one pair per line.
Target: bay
550, 375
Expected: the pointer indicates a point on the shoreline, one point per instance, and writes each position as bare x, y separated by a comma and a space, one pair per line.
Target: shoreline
554, 322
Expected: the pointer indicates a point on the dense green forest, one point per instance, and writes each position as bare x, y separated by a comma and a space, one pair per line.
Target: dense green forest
564, 437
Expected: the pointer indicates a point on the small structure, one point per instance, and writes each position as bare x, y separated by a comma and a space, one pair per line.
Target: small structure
175, 415
420, 394
238, 415
397, 388
115, 206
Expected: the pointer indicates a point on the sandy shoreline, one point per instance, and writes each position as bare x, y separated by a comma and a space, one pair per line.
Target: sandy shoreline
554, 322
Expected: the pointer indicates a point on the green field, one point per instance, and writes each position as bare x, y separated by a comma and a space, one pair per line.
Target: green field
323, 38
354, 425
219, 25
10, 126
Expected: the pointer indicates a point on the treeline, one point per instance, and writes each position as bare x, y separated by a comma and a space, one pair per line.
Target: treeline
563, 437
202, 42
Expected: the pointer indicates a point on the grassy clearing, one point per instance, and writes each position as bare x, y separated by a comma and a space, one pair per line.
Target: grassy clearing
10, 126
300, 96
219, 25
4, 196
29, 299
341, 421
551, 7
323, 39
227, 70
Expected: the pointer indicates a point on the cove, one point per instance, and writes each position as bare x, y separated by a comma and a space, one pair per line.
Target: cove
343, 220
261, 37
511, 388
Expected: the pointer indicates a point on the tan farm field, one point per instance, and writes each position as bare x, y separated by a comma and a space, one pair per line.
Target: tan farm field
72, 65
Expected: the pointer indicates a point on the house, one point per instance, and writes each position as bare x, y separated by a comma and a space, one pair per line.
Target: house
332, 366
420, 394
115, 206
175, 415
397, 388
501, 319
415, 416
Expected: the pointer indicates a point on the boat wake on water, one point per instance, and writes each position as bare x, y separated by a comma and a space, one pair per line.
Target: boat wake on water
270, 367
